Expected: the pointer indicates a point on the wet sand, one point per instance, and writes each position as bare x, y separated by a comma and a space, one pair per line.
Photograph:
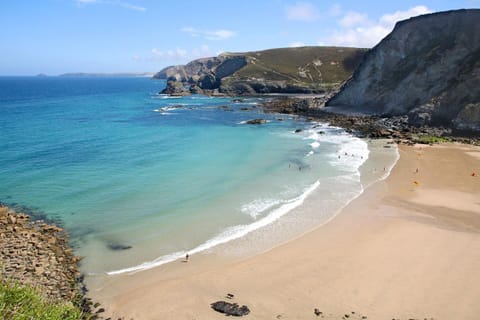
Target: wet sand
408, 247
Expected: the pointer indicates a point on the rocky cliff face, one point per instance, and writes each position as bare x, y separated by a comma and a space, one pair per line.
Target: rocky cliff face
201, 74
428, 67
283, 70
192, 70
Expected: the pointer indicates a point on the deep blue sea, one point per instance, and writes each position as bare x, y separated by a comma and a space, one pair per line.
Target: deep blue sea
121, 166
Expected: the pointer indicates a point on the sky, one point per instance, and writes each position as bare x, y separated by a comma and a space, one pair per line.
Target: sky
60, 36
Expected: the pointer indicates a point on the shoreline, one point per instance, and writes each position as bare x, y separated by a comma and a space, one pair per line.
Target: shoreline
263, 234
387, 254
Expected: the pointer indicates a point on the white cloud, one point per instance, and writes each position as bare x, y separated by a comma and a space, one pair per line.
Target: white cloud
353, 18
171, 54
177, 55
122, 4
131, 6
220, 34
391, 19
157, 53
357, 30
302, 11
335, 10
203, 51
296, 44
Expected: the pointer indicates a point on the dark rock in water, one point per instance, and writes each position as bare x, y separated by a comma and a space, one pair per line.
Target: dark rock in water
298, 130
230, 309
257, 121
118, 246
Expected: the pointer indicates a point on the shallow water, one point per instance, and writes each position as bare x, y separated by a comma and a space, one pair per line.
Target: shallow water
121, 166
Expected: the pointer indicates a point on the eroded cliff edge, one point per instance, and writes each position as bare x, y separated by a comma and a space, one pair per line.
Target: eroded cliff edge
428, 68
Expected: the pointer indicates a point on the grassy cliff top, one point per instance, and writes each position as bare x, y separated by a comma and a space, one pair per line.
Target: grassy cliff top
302, 64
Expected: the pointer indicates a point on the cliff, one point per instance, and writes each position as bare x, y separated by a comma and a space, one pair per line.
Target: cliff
428, 68
283, 70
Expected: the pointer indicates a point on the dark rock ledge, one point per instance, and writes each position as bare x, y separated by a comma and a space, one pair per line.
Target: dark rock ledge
399, 128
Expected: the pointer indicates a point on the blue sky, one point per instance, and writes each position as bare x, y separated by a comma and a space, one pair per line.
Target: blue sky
59, 36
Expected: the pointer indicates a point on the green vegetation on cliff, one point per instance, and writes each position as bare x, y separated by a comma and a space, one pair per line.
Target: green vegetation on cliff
282, 70
322, 66
24, 302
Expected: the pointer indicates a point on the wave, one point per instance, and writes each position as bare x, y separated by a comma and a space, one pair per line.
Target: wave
315, 144
165, 96
228, 235
258, 206
165, 109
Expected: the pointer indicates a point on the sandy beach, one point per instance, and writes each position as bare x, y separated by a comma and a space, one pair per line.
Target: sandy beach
407, 248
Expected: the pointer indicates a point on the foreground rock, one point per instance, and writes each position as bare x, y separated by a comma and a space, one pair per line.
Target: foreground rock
428, 68
37, 254
230, 309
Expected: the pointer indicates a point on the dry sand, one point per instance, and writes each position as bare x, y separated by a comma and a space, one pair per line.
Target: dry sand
401, 250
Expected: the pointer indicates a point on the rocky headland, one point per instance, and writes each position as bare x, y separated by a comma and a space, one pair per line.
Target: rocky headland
283, 70
427, 69
421, 81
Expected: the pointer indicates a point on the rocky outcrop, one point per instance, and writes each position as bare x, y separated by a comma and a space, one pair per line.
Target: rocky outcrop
284, 70
191, 71
398, 128
256, 121
262, 86
428, 68
230, 309
200, 75
37, 254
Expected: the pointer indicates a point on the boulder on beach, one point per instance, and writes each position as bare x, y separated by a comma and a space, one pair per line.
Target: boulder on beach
230, 309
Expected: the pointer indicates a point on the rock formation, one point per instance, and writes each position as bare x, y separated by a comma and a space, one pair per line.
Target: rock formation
230, 309
37, 254
284, 70
428, 68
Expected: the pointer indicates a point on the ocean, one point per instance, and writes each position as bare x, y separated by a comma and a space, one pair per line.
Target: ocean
139, 179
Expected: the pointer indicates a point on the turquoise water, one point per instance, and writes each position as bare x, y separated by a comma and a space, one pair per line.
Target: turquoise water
120, 165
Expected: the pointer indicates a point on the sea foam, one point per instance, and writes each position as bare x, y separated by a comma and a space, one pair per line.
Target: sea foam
228, 235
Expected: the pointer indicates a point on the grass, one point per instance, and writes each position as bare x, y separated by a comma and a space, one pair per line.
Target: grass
25, 303
432, 139
321, 65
